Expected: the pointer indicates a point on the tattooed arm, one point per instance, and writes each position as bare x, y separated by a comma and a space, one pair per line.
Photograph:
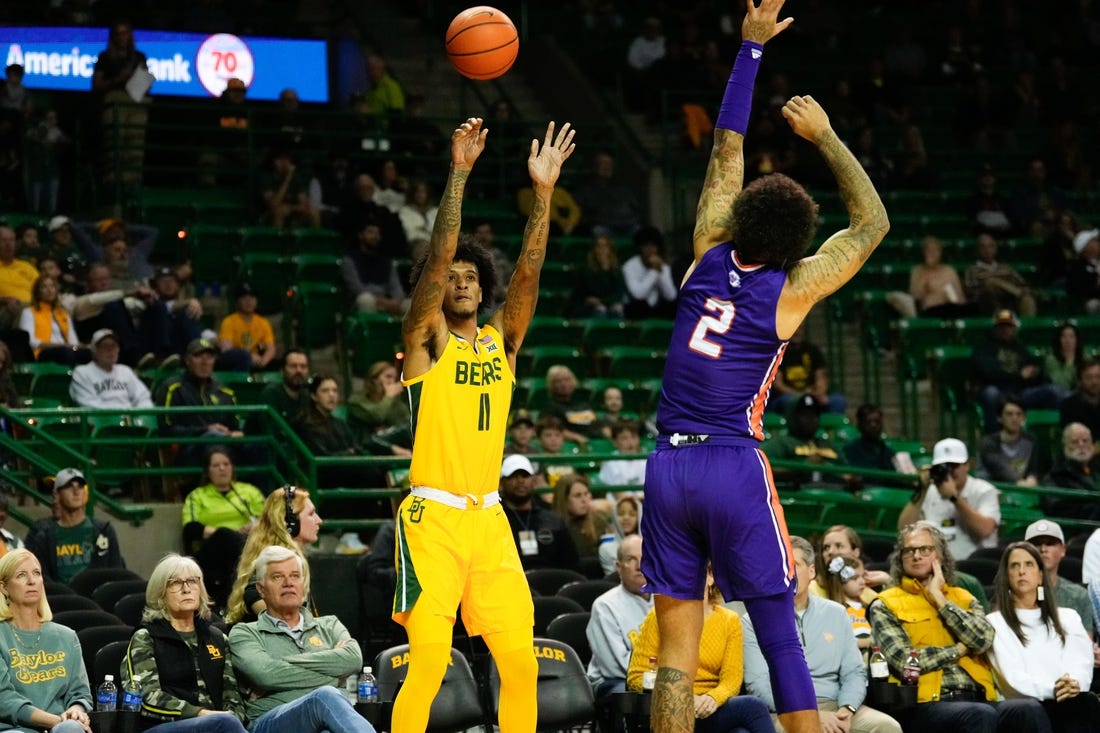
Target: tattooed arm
841, 256
544, 165
424, 329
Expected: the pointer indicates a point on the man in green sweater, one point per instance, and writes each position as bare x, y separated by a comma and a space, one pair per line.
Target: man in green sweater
292, 662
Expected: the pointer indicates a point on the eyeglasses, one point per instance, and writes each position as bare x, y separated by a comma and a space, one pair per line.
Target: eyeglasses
918, 551
177, 584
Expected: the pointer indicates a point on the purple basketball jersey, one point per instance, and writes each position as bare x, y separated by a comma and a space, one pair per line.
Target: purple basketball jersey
724, 352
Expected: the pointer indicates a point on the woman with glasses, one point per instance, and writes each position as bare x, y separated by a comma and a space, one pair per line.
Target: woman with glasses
178, 660
1040, 650
43, 683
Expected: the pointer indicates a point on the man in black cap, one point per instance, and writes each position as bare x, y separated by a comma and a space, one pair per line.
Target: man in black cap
246, 330
170, 322
197, 387
72, 541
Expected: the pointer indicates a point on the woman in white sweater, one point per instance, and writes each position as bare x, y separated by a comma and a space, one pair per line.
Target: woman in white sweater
1041, 650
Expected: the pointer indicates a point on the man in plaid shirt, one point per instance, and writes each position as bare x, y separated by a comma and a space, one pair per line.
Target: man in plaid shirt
925, 611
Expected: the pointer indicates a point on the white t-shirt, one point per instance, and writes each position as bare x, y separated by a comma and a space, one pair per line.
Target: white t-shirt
981, 495
1032, 670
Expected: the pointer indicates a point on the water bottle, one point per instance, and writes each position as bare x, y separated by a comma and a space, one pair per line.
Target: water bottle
910, 673
107, 695
880, 670
649, 677
131, 695
368, 686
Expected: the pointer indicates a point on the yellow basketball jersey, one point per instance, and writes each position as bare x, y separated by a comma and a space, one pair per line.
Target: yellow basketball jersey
460, 415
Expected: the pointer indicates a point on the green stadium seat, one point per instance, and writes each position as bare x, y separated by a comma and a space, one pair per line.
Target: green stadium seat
535, 360
656, 334
603, 332
317, 242
266, 240
552, 331
370, 337
316, 311
213, 250
316, 268
631, 362
271, 275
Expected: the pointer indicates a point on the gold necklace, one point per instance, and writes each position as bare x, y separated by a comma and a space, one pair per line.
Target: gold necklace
22, 642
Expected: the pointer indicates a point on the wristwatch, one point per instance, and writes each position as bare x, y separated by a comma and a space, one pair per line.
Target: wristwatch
852, 708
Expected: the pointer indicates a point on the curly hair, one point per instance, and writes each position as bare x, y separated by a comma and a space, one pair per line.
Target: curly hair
947, 560
472, 251
774, 221
270, 529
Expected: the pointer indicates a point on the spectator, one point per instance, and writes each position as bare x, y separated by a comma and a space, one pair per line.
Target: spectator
104, 383
804, 372
370, 275
927, 612
1077, 468
386, 98
381, 406
563, 402
52, 331
1059, 250
718, 705
8, 541
542, 537
1083, 273
16, 279
359, 210
178, 659
599, 289
844, 542
1041, 650
1065, 355
116, 81
71, 541
608, 206
845, 583
103, 307
832, 654
418, 212
392, 187
988, 208
1083, 404
246, 330
550, 432
218, 514
1010, 455
326, 434
626, 522
651, 293
61, 245
935, 287
643, 67
801, 443
9, 395
276, 526
1001, 366
611, 412
869, 450
226, 139
626, 435
615, 621
197, 387
521, 436
1048, 539
965, 509
46, 144
587, 524
285, 195
60, 701
502, 262
125, 247
289, 127
171, 320
288, 398
992, 285
911, 167
285, 693
1035, 205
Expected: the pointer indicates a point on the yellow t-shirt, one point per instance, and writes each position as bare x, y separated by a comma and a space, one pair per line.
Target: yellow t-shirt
247, 335
460, 415
16, 280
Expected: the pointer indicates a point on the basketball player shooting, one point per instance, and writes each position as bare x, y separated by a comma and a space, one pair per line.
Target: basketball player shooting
709, 491
454, 544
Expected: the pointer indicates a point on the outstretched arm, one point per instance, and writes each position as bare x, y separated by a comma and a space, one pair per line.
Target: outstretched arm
841, 256
726, 169
544, 165
424, 329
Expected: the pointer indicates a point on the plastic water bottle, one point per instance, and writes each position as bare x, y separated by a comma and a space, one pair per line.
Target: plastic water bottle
131, 695
649, 677
107, 695
910, 673
368, 686
880, 670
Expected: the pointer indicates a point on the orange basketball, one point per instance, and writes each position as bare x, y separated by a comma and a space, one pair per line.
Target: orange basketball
482, 42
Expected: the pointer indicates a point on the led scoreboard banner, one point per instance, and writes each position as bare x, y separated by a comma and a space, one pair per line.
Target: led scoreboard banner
184, 64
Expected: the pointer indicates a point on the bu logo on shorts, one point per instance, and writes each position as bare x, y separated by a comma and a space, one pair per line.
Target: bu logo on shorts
416, 509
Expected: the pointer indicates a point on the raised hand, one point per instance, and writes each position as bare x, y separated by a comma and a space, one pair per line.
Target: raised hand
806, 117
467, 142
544, 164
760, 23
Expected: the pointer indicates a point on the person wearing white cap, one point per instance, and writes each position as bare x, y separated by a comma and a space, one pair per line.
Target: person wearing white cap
966, 509
1083, 272
72, 541
1051, 543
541, 536
103, 382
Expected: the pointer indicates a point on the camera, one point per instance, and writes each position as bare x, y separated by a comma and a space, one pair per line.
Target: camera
940, 472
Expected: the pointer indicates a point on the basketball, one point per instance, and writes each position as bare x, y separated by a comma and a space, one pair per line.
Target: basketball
482, 42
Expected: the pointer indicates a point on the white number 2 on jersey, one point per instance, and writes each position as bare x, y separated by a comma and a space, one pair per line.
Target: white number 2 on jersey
707, 324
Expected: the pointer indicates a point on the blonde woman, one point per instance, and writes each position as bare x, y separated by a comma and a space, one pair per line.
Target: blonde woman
50, 325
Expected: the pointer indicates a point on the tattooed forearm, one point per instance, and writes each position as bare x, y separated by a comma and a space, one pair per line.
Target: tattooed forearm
448, 220
536, 233
860, 198
725, 175
672, 709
